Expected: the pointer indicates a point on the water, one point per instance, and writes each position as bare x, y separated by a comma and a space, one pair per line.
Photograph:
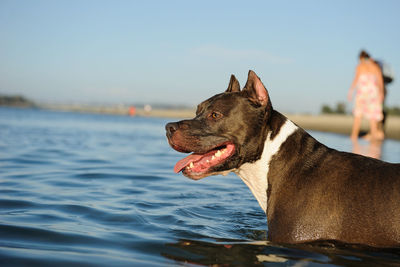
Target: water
99, 190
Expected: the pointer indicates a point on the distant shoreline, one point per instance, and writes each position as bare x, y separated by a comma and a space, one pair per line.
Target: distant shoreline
15, 101
342, 124
333, 123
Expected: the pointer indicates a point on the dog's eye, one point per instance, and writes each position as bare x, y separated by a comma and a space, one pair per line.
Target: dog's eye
215, 115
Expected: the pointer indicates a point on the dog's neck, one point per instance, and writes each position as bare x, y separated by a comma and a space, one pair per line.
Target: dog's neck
255, 174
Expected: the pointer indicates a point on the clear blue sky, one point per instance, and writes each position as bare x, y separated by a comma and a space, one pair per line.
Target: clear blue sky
182, 52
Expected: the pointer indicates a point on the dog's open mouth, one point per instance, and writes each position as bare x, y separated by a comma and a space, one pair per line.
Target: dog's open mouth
197, 164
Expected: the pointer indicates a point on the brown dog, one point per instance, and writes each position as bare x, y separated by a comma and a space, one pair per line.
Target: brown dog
309, 192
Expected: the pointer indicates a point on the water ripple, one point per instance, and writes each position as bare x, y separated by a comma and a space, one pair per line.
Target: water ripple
99, 190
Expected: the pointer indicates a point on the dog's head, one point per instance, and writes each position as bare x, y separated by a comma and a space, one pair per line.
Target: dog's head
226, 131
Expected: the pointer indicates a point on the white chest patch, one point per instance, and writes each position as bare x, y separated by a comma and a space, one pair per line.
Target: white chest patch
255, 174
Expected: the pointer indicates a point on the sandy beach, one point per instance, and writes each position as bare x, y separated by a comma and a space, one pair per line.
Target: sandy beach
334, 123
342, 124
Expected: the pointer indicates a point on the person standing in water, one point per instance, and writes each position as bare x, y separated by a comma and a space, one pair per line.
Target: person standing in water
369, 97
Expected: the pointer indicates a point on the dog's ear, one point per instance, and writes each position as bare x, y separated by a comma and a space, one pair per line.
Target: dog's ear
234, 85
256, 90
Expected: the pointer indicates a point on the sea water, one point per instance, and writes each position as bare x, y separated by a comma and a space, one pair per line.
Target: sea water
99, 190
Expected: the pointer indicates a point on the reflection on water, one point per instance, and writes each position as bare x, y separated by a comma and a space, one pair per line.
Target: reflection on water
265, 253
371, 148
387, 150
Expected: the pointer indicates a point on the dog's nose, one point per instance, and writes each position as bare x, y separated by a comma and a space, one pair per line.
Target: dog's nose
171, 128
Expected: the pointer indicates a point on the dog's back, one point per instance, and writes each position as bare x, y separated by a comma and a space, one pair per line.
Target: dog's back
322, 194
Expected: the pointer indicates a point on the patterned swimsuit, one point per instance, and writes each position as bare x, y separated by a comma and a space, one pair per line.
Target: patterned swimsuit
367, 99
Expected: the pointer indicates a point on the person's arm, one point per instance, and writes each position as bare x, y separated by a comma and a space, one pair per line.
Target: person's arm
380, 83
353, 84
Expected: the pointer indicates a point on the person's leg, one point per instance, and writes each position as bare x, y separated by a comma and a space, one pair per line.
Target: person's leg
356, 128
381, 124
376, 133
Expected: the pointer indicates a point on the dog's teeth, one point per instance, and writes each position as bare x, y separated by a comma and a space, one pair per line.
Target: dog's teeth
212, 158
218, 153
191, 165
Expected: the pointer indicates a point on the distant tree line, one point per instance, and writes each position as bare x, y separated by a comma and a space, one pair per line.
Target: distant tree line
393, 111
340, 108
16, 101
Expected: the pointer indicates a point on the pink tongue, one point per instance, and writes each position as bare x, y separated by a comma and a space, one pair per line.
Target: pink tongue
184, 162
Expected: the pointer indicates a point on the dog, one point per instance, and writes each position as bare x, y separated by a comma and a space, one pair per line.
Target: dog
308, 191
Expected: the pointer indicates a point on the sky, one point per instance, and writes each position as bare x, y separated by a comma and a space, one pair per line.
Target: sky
183, 52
